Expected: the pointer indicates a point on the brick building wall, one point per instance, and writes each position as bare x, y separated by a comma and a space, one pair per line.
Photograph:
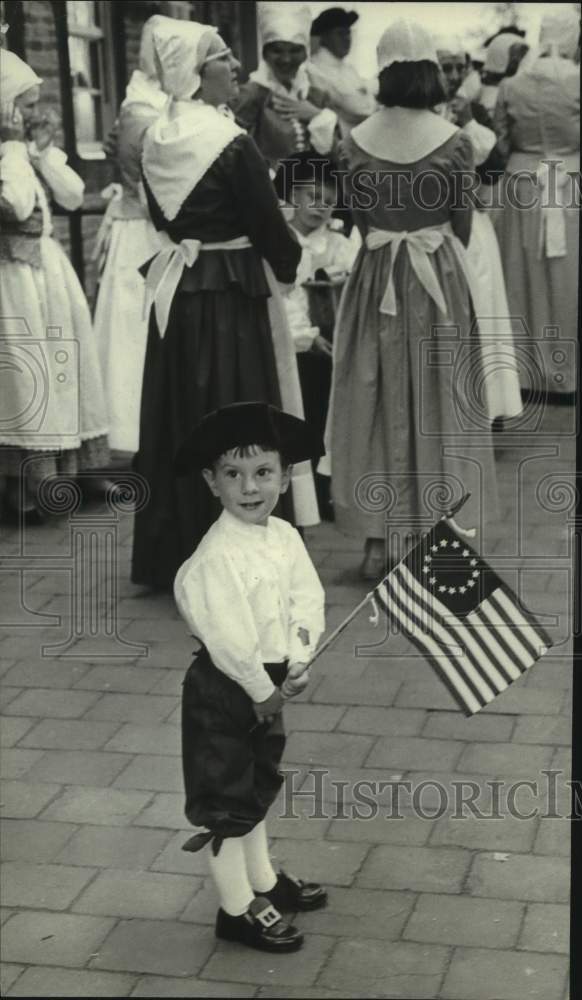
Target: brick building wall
33, 34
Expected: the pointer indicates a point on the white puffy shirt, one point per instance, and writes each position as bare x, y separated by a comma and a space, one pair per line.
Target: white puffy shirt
245, 593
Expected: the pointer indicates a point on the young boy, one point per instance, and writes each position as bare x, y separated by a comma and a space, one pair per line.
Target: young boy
251, 595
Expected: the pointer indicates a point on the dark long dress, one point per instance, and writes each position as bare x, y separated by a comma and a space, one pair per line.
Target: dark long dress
217, 348
400, 434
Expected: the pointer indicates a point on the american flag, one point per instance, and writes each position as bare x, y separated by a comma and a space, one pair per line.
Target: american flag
465, 620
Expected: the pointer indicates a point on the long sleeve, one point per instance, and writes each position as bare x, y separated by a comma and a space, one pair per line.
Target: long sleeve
212, 601
297, 309
483, 140
66, 186
343, 251
259, 209
502, 123
321, 130
461, 209
489, 156
306, 602
18, 182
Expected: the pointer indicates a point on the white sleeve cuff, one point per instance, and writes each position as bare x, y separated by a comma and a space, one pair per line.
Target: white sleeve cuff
483, 140
260, 688
321, 129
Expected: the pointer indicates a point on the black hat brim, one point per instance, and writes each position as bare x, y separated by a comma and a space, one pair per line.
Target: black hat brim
243, 424
334, 17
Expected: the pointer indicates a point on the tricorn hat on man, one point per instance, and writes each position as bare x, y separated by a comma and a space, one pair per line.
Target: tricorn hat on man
333, 17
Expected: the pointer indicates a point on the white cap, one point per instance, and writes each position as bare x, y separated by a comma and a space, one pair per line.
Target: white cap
560, 32
180, 50
285, 22
497, 58
147, 62
405, 41
16, 77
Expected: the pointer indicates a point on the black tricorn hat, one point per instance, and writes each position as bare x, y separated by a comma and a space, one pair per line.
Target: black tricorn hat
242, 424
333, 17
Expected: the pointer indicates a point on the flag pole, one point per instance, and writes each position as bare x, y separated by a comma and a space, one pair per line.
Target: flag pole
370, 597
343, 625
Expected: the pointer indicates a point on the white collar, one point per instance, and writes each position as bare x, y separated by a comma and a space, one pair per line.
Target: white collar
402, 135
264, 76
323, 55
232, 523
180, 146
316, 240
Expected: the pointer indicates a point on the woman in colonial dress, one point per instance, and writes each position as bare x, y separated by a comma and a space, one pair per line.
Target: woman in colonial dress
215, 334
127, 239
52, 407
280, 106
398, 429
496, 388
537, 119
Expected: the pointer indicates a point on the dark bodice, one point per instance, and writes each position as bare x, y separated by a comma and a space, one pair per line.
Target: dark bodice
234, 198
410, 196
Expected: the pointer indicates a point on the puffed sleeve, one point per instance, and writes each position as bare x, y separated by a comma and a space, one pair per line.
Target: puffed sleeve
461, 210
258, 207
307, 601
211, 599
17, 179
66, 186
343, 251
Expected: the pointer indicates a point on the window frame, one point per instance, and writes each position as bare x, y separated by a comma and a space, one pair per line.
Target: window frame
103, 34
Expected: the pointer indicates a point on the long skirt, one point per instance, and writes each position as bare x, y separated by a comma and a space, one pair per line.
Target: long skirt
52, 405
402, 436
230, 763
217, 350
121, 329
498, 394
542, 291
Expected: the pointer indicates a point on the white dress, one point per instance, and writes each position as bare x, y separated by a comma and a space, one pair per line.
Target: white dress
51, 393
121, 327
495, 388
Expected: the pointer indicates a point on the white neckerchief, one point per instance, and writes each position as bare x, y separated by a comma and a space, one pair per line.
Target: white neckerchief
180, 147
402, 135
264, 76
316, 241
142, 89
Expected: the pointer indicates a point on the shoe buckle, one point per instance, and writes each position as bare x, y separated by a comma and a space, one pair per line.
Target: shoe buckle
268, 916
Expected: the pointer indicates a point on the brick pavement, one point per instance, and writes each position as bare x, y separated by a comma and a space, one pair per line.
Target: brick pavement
99, 900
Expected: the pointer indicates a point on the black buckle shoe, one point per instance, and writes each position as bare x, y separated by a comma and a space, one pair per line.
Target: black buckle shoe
291, 894
260, 927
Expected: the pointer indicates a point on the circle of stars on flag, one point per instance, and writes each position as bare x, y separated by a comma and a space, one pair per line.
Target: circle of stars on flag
466, 563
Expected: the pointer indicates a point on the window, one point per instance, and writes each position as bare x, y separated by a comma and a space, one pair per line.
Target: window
90, 56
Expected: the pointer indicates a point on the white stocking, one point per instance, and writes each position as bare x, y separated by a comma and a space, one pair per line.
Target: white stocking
262, 875
229, 872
